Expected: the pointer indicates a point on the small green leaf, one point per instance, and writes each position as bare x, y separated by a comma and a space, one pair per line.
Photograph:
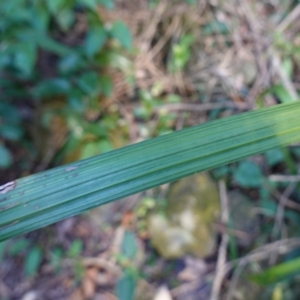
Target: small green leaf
221, 172
18, 246
5, 157
95, 40
191, 2
9, 113
248, 174
129, 245
75, 101
40, 38
274, 156
11, 132
126, 286
33, 261
109, 4
55, 258
92, 4
5, 59
279, 272
89, 149
55, 6
70, 63
116, 60
181, 53
89, 83
50, 44
104, 146
2, 249
269, 207
288, 65
106, 85
172, 98
122, 33
282, 94
215, 27
65, 18
41, 17
75, 248
25, 57
296, 151
52, 87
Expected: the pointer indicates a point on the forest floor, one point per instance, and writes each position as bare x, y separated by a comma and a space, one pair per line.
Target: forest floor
194, 62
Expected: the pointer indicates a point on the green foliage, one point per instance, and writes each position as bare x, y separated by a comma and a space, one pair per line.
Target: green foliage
10, 130
92, 4
215, 28
33, 261
126, 285
286, 46
33, 31
2, 249
122, 33
278, 273
129, 245
290, 52
181, 53
93, 148
151, 101
191, 2
95, 40
18, 246
248, 174
56, 257
274, 157
74, 252
5, 157
75, 248
281, 93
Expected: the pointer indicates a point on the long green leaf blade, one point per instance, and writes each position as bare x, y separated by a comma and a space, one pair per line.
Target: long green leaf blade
45, 198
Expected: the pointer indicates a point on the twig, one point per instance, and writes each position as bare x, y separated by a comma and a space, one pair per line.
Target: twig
280, 247
258, 46
281, 207
202, 107
285, 178
180, 121
217, 284
186, 288
222, 228
275, 58
290, 18
49, 155
289, 203
277, 65
162, 42
152, 27
279, 216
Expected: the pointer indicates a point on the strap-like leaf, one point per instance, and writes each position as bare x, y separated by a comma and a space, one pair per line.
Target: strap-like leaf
44, 198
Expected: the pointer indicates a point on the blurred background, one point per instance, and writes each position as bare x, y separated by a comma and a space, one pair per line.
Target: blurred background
82, 77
